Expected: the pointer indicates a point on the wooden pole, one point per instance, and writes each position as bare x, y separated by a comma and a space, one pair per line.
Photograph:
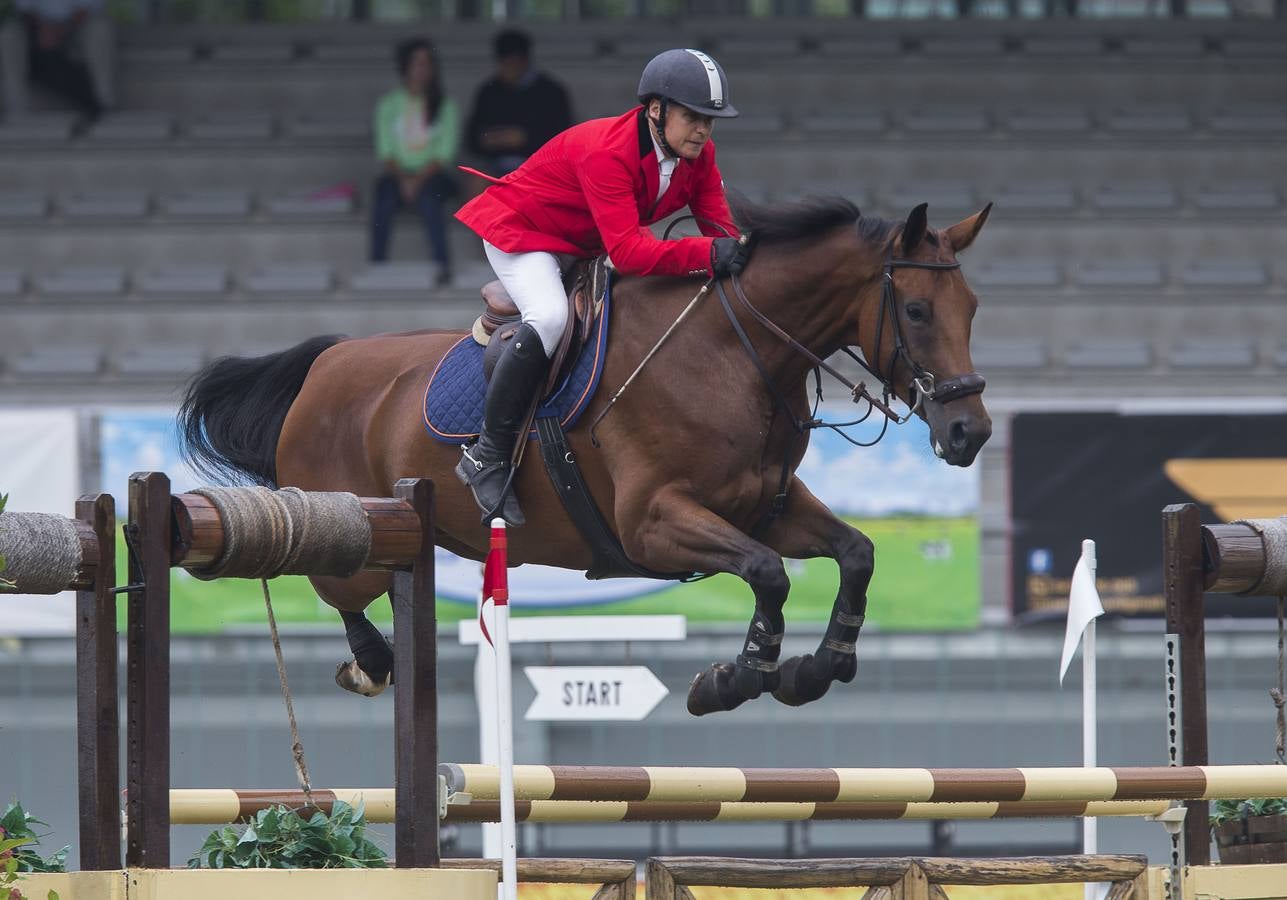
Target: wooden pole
97, 709
199, 532
415, 693
1184, 578
148, 674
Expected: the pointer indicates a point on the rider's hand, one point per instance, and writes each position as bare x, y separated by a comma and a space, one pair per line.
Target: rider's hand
728, 256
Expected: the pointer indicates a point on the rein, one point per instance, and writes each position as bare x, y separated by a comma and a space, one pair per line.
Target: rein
923, 382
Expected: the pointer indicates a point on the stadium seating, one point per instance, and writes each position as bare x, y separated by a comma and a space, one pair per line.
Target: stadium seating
1133, 166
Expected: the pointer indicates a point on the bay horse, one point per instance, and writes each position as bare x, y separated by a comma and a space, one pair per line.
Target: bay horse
689, 463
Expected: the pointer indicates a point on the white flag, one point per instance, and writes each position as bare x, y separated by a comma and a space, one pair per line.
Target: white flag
1083, 605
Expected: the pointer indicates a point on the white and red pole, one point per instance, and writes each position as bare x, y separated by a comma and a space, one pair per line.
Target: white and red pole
496, 589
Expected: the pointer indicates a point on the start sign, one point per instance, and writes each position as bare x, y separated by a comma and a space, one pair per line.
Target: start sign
593, 693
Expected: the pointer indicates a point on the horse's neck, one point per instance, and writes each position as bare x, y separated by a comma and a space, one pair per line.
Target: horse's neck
814, 293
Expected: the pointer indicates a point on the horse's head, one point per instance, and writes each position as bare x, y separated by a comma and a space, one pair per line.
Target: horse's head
917, 337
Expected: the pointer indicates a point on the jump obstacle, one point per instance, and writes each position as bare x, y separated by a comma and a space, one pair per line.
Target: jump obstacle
202, 532
220, 806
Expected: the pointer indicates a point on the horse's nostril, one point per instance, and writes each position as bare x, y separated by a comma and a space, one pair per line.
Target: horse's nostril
958, 436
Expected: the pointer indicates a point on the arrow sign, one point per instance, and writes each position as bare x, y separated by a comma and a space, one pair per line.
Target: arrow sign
593, 693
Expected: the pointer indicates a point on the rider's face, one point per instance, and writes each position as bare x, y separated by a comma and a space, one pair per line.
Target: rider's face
686, 131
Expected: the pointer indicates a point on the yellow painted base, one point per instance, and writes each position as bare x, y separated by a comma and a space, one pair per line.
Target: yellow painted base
74, 885
1268, 882
312, 884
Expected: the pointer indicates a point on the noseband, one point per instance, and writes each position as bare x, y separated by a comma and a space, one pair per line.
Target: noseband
923, 385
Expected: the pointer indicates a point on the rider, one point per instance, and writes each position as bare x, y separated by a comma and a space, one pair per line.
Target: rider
594, 188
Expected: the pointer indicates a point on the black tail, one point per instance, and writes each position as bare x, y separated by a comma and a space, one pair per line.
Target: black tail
234, 408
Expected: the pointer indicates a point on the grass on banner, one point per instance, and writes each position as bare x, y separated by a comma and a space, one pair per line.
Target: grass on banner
927, 578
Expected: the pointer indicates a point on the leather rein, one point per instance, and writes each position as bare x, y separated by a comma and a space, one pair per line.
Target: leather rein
923, 384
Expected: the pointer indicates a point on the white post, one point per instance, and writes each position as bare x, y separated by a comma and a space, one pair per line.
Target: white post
488, 741
1089, 723
505, 735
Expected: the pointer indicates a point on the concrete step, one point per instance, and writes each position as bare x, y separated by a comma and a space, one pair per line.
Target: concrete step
1048, 244
989, 164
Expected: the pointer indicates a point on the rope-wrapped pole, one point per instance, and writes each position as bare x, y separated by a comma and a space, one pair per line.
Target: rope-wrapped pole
47, 554
201, 530
287, 532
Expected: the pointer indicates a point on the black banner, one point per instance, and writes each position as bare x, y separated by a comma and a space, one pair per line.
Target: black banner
1106, 477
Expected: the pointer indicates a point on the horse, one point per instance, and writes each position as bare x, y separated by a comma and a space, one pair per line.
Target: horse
689, 466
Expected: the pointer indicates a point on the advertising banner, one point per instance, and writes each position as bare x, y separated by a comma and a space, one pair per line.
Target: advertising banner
921, 513
1107, 476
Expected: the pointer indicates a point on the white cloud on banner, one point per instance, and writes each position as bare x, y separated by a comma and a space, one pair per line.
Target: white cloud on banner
40, 473
900, 474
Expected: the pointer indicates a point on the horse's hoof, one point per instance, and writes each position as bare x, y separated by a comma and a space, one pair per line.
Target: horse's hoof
799, 684
350, 676
714, 691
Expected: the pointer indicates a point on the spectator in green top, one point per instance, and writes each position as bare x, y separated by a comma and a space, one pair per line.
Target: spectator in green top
416, 135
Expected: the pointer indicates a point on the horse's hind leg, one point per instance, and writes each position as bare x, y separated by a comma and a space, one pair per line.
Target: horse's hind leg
680, 535
808, 529
371, 669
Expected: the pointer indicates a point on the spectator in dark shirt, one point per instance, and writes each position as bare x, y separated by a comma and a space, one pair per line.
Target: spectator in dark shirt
516, 111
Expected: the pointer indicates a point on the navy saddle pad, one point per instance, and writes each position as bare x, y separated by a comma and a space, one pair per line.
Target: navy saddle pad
453, 408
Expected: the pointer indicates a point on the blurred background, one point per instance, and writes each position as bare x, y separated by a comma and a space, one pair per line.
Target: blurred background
185, 179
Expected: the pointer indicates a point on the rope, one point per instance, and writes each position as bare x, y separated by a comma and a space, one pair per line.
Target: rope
296, 746
1273, 534
288, 532
42, 551
1279, 694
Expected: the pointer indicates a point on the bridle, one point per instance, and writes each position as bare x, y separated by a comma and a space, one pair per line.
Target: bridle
923, 384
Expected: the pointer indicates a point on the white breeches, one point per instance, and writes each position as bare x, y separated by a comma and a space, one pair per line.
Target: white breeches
535, 284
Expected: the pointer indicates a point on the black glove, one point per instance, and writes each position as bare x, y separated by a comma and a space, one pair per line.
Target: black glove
728, 256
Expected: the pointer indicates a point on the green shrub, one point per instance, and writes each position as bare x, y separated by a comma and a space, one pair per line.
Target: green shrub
279, 838
1230, 810
18, 842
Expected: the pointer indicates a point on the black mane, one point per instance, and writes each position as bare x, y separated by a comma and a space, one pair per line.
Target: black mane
805, 218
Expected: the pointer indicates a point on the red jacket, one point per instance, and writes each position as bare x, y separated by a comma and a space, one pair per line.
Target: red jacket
593, 189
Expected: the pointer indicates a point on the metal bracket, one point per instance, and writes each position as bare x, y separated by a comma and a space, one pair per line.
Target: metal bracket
448, 797
130, 531
1173, 821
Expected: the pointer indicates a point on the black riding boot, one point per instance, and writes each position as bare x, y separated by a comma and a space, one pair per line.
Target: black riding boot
485, 466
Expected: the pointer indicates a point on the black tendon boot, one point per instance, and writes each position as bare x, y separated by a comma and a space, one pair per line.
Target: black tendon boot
485, 466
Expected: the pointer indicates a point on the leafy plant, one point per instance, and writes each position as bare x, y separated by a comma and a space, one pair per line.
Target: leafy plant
1231, 810
18, 842
279, 838
5, 584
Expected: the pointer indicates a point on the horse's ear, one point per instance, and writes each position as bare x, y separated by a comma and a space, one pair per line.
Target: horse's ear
913, 230
963, 233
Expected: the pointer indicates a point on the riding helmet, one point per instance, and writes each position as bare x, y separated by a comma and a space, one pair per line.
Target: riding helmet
689, 78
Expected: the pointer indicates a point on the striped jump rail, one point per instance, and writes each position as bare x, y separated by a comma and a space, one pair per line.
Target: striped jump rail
692, 784
222, 806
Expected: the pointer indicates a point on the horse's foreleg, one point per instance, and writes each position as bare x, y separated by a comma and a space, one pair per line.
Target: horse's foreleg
808, 529
681, 535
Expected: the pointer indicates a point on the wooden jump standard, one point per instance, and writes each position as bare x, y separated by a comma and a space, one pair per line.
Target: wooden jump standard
220, 806
91, 549
1235, 558
186, 531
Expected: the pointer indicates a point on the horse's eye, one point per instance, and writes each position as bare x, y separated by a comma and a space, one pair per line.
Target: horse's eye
917, 313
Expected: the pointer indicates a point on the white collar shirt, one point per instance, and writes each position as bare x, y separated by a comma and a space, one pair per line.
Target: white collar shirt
665, 169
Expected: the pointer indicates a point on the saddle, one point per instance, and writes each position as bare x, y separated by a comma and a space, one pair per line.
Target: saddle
584, 283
